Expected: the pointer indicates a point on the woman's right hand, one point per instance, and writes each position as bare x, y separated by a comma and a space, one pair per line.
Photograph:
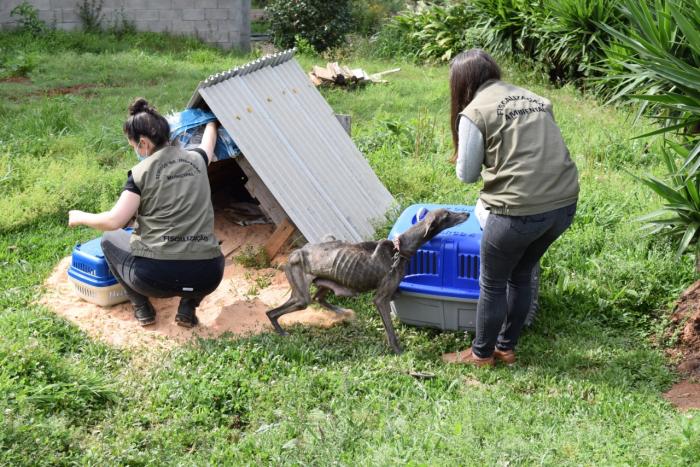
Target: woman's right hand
75, 218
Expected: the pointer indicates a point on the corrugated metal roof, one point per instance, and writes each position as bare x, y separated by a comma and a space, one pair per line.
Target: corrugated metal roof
290, 136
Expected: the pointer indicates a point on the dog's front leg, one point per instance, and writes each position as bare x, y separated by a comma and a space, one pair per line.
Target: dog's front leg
382, 303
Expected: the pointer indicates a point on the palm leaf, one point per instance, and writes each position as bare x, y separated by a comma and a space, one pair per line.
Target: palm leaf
666, 129
662, 189
690, 31
670, 98
688, 237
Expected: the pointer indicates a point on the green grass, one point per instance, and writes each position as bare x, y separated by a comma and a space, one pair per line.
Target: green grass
586, 390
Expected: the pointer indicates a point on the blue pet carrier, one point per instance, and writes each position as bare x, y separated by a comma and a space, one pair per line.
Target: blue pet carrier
441, 286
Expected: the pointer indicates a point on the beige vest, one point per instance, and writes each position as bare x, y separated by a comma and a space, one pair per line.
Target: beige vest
175, 219
527, 168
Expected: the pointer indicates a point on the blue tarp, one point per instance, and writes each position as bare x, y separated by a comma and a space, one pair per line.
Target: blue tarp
186, 128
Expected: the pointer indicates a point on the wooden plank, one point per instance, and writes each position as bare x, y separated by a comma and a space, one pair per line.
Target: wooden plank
377, 77
346, 122
259, 191
387, 72
334, 68
359, 74
282, 233
323, 73
315, 80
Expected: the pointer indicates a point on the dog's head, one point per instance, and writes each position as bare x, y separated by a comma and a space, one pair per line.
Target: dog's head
432, 224
440, 219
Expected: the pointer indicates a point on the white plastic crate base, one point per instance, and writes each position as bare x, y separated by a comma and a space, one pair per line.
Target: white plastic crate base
102, 296
432, 311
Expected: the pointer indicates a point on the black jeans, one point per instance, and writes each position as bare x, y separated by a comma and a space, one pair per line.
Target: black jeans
511, 246
146, 277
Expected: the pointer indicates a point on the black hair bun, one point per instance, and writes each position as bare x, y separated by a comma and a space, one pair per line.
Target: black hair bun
140, 105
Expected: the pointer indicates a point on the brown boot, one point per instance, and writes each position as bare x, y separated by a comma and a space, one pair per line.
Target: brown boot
505, 356
466, 357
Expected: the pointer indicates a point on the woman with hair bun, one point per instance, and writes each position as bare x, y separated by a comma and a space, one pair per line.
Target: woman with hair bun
172, 250
508, 135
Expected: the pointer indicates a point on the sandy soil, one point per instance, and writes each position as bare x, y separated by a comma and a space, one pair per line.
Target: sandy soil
684, 395
237, 307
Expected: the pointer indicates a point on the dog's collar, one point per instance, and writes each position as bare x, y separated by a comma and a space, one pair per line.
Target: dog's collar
397, 247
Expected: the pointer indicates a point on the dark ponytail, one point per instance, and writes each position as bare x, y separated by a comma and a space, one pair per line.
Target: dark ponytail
144, 120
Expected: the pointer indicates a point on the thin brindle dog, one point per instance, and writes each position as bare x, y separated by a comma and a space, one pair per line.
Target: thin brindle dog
351, 268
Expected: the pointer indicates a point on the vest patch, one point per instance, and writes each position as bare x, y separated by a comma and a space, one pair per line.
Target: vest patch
535, 105
167, 164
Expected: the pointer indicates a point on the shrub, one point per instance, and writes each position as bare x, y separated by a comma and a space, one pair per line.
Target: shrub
660, 59
368, 15
394, 40
576, 44
657, 53
512, 26
434, 33
90, 14
437, 32
679, 218
562, 36
28, 18
121, 25
324, 24
15, 64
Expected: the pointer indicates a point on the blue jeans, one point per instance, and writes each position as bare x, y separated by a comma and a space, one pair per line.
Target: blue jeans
511, 246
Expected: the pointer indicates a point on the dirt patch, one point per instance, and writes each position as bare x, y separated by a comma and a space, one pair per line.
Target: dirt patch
684, 395
64, 90
686, 323
16, 80
84, 89
237, 307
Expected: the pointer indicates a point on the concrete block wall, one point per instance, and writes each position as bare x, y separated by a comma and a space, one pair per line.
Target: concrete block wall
225, 23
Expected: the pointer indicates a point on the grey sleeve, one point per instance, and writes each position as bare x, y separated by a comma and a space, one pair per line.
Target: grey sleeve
470, 151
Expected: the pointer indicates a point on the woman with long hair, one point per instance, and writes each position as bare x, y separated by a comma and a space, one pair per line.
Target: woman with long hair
508, 135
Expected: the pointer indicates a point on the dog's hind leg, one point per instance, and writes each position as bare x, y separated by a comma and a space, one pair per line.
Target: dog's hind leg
289, 306
300, 299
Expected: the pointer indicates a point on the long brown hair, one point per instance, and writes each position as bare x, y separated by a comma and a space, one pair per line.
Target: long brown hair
468, 71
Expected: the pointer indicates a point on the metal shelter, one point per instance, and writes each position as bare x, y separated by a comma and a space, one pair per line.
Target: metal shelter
292, 141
